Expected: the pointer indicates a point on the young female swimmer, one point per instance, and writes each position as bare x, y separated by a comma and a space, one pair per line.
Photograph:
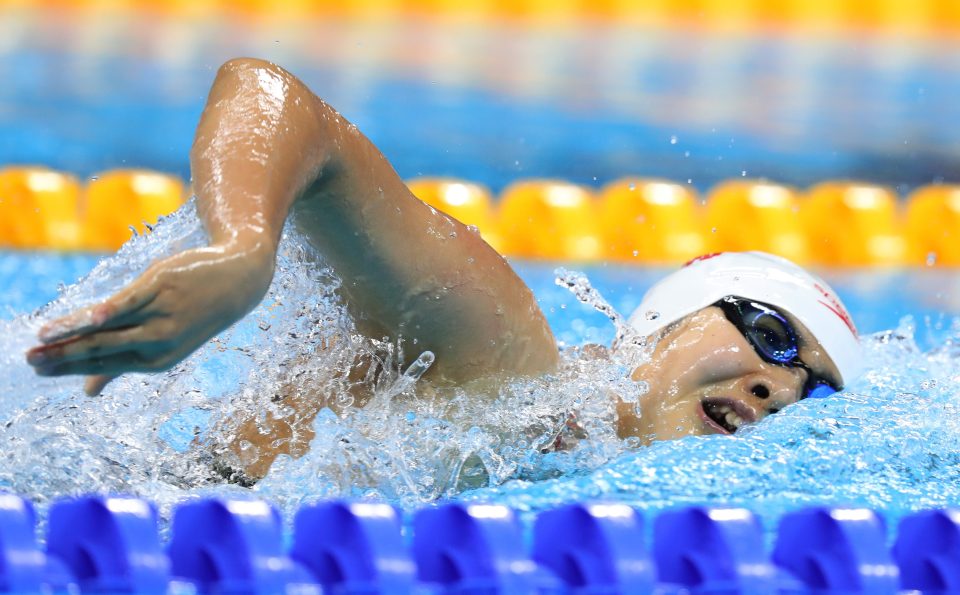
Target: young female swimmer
740, 335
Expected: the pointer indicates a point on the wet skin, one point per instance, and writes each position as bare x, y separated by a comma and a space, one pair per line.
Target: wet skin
266, 149
704, 368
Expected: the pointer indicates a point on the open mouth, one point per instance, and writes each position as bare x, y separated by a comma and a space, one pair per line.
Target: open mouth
725, 415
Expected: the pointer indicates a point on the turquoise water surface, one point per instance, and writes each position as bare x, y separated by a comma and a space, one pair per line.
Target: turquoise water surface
890, 442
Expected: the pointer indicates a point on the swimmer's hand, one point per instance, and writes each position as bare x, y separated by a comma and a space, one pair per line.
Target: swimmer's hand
175, 306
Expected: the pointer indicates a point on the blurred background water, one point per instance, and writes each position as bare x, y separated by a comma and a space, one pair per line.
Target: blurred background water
795, 91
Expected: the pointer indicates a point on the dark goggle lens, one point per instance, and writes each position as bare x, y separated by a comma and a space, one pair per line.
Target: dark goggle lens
774, 339
770, 334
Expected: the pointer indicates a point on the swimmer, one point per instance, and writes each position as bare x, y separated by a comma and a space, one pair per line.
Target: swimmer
739, 336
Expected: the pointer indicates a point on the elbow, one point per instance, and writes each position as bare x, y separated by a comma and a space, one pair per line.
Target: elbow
262, 76
239, 66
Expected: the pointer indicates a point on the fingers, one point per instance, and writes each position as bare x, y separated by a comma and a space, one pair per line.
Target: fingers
110, 365
125, 302
90, 346
94, 385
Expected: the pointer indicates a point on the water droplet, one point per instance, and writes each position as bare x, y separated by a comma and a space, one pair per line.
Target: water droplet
931, 259
473, 229
713, 230
673, 139
743, 173
420, 366
248, 452
636, 253
632, 186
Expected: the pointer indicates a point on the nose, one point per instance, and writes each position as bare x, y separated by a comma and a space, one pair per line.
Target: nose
772, 390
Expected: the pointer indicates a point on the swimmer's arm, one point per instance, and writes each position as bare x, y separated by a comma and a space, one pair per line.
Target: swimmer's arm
409, 271
265, 147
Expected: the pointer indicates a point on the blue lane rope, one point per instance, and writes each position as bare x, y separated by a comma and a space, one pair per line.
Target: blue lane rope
112, 545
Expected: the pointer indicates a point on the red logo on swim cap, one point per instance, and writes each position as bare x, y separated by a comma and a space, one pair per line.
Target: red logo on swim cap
836, 307
702, 257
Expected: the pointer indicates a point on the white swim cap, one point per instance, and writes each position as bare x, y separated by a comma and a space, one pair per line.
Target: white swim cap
755, 276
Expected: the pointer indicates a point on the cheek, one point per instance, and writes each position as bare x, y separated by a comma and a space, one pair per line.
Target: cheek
668, 412
695, 370
702, 355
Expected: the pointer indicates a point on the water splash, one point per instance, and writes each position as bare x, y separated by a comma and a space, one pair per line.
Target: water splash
630, 349
171, 436
891, 441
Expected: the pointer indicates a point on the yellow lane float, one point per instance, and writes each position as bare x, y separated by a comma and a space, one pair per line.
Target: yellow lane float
933, 225
651, 221
854, 224
38, 209
748, 215
120, 200
641, 220
550, 219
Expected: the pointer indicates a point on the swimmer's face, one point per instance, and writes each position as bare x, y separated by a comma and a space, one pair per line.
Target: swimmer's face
705, 378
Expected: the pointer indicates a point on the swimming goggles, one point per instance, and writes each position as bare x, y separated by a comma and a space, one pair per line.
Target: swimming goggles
774, 339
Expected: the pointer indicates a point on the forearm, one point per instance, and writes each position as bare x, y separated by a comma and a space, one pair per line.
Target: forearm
266, 142
263, 137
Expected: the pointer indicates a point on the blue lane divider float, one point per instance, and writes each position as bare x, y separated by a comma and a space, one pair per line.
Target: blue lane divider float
109, 545
232, 546
840, 550
112, 545
927, 551
716, 550
474, 548
355, 548
595, 548
22, 564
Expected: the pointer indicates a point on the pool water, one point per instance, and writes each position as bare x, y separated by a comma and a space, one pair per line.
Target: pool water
890, 442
